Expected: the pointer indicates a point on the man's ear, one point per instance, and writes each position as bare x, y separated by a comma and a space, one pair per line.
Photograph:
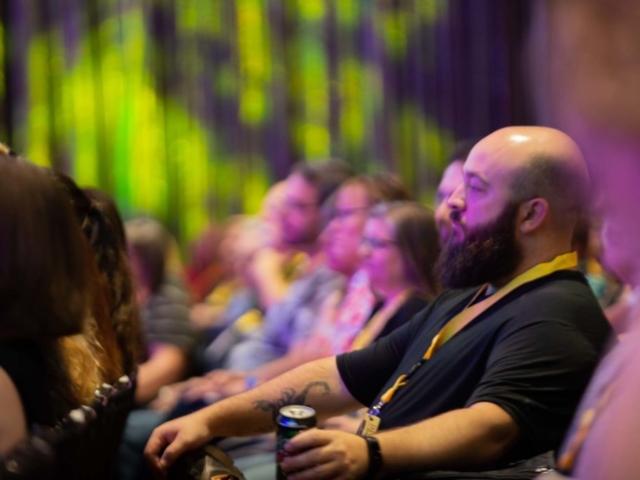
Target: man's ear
532, 214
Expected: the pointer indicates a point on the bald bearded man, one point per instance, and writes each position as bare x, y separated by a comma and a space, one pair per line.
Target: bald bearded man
488, 374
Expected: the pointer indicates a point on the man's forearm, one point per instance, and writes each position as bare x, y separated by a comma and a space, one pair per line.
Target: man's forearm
316, 384
463, 439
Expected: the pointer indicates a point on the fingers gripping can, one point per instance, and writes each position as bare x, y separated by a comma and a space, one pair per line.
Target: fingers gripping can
292, 420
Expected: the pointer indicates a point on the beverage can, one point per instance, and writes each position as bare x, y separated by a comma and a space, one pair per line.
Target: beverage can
291, 420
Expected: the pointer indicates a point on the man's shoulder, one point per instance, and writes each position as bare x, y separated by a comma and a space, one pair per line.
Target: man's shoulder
564, 299
558, 291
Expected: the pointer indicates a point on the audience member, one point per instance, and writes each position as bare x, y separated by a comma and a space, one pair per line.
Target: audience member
164, 305
206, 267
501, 379
305, 191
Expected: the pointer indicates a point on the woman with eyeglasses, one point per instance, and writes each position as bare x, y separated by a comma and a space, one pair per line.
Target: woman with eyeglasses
399, 249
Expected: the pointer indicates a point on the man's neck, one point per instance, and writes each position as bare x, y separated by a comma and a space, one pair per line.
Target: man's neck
527, 263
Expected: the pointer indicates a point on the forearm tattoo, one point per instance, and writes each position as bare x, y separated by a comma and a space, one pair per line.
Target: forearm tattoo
290, 397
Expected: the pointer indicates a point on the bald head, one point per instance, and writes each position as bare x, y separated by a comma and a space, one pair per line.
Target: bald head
539, 162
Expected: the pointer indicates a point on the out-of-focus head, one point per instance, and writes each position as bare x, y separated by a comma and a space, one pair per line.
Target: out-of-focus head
306, 189
45, 285
400, 246
594, 97
451, 178
522, 186
618, 198
149, 244
341, 237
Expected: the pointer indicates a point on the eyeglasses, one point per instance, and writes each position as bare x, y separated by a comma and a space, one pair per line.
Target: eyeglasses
377, 243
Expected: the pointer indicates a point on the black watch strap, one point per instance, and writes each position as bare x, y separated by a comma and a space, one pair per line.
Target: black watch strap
375, 457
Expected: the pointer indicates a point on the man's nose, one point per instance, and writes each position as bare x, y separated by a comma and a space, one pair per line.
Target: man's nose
456, 200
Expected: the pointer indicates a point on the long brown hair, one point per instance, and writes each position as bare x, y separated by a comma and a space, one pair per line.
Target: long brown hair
417, 238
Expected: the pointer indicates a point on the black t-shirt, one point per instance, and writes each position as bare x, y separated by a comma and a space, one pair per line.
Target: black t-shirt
405, 312
532, 353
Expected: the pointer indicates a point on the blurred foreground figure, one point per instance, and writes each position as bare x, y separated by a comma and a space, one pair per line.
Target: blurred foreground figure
164, 303
45, 294
589, 56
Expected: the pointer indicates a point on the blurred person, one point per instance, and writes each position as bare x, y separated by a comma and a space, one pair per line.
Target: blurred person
594, 98
206, 267
241, 312
343, 311
496, 383
163, 299
451, 178
207, 314
265, 234
306, 189
46, 293
164, 305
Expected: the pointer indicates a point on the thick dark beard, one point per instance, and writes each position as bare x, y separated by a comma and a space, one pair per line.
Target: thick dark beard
487, 254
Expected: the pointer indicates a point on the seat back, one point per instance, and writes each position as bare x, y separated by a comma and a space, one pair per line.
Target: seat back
82, 446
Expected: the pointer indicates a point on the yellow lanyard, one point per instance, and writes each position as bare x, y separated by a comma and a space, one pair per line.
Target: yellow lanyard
473, 310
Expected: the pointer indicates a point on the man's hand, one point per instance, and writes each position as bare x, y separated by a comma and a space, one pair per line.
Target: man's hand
317, 455
172, 439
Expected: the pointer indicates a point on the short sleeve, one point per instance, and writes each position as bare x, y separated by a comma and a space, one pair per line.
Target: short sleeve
537, 372
365, 372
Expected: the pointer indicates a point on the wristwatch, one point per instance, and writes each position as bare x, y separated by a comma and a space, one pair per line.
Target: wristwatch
375, 457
